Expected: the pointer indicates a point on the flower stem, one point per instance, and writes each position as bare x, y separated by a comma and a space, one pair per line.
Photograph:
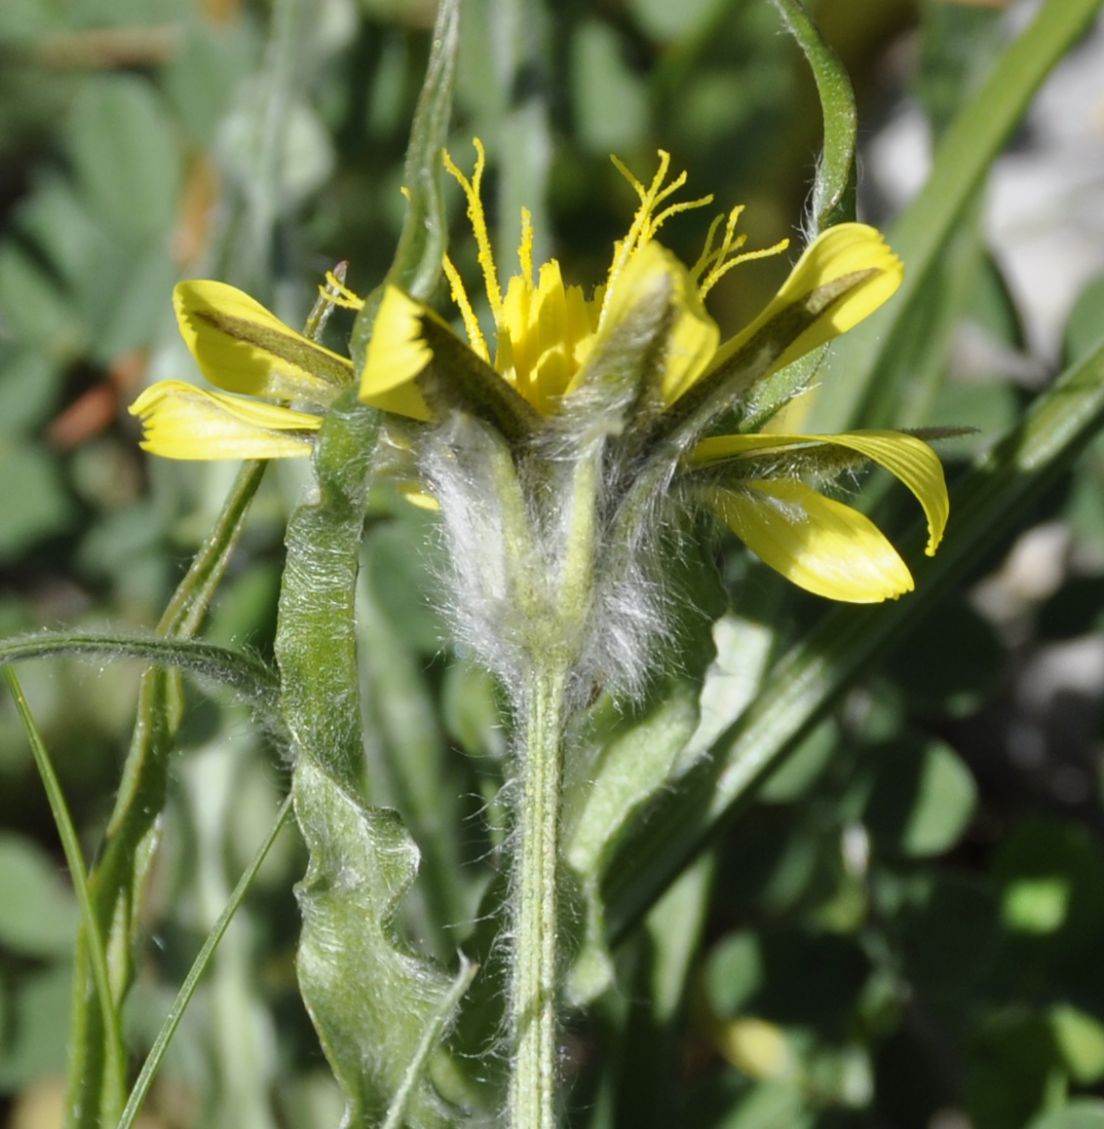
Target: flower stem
535, 987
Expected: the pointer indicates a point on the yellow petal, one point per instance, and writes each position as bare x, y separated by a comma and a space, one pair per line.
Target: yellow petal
756, 1048
848, 252
397, 353
417, 495
693, 336
817, 543
181, 421
907, 458
242, 347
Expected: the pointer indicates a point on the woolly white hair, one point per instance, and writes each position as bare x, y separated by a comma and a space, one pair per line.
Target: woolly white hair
501, 591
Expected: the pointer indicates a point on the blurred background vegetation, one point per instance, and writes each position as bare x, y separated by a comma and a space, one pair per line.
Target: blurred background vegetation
906, 927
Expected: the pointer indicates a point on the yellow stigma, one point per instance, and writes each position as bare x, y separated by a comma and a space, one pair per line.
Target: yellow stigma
715, 262
646, 222
334, 291
543, 329
472, 190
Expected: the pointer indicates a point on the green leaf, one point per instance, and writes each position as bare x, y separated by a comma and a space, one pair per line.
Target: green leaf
416, 267
133, 833
603, 787
33, 1045
857, 363
671, 21
1051, 881
1083, 1113
199, 966
113, 1052
239, 670
958, 43
38, 915
1080, 1039
833, 199
36, 505
812, 677
125, 155
372, 999
921, 800
29, 385
1085, 325
610, 102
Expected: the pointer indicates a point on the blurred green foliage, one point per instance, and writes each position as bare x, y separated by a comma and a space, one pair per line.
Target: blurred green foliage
913, 907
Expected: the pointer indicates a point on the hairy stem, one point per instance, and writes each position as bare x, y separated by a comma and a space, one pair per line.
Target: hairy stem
535, 988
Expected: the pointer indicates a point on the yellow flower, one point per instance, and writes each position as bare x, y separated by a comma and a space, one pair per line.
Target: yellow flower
545, 332
551, 342
243, 349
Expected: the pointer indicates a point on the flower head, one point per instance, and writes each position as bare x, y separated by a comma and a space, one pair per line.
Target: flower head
548, 348
638, 361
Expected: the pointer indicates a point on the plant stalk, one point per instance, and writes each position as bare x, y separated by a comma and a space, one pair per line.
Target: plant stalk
534, 994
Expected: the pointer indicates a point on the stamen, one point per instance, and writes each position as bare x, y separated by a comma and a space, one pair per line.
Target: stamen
478, 221
525, 247
674, 210
463, 304
336, 293
623, 169
637, 235
707, 255
710, 254
671, 188
717, 273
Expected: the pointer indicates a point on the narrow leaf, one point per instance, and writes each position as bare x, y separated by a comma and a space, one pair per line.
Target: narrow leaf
807, 682
417, 264
968, 148
833, 199
191, 981
114, 1050
239, 670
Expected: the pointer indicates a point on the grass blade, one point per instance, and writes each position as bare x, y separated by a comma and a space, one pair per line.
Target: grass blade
191, 981
964, 156
114, 1051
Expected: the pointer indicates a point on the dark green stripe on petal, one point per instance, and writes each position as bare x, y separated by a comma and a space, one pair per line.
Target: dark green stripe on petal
242, 347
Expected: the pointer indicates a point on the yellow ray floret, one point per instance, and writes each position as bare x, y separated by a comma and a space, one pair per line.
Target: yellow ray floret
242, 347
907, 458
397, 353
181, 421
545, 331
851, 260
817, 543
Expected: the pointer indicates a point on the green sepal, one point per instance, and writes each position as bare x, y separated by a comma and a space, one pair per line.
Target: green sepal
245, 673
620, 383
693, 414
833, 199
416, 267
372, 999
458, 380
